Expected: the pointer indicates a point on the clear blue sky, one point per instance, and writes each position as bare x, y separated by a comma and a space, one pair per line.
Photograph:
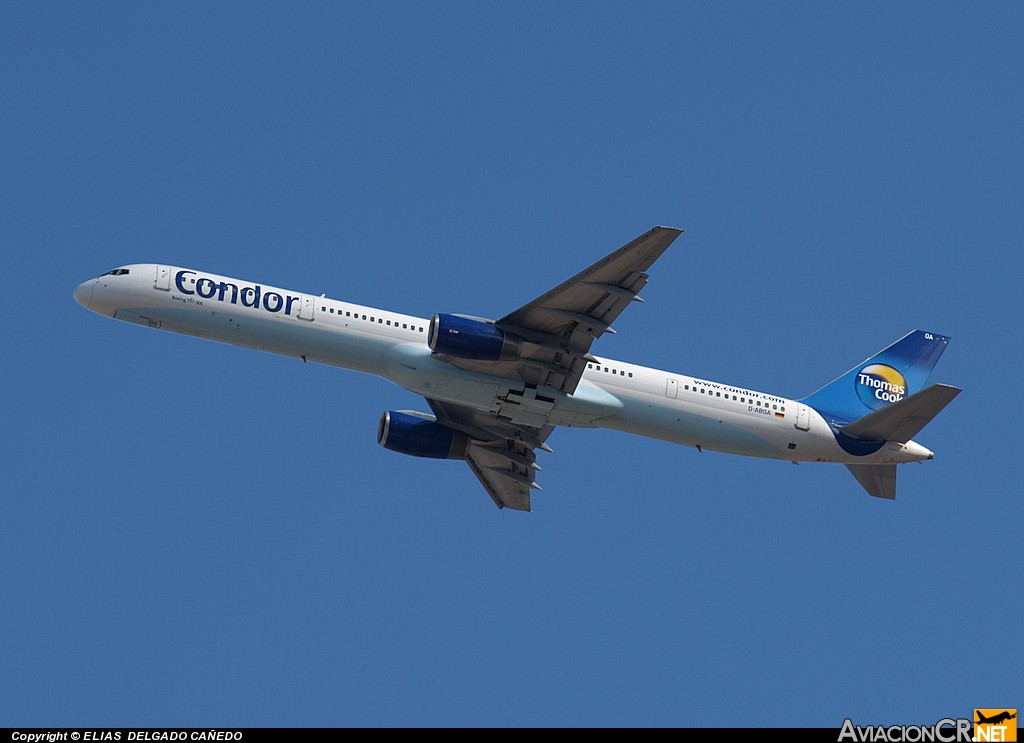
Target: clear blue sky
199, 534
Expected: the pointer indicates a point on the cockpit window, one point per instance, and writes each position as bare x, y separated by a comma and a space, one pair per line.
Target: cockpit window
117, 272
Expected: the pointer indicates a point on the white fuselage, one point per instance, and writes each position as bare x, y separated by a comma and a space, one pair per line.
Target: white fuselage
612, 394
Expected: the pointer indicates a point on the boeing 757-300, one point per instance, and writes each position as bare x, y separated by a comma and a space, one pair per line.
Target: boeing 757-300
497, 389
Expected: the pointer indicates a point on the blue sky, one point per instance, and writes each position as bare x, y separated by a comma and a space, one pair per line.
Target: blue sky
199, 534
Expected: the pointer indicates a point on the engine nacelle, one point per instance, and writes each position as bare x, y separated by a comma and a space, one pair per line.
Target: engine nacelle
467, 338
420, 435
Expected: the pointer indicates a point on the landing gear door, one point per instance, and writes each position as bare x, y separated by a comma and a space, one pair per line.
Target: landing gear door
307, 307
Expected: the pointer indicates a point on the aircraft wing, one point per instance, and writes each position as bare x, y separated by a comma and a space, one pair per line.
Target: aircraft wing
559, 327
501, 454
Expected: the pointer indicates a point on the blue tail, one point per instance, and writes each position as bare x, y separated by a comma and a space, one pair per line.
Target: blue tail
890, 375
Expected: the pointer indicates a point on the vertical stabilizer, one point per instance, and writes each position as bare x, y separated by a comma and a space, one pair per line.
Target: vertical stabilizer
887, 377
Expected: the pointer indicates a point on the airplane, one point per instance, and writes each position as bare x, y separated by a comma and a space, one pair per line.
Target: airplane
497, 389
995, 719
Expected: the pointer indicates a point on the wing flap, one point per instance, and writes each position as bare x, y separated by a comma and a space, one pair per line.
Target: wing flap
503, 474
501, 455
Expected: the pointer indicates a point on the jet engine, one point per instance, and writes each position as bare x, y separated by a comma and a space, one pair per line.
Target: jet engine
420, 435
470, 338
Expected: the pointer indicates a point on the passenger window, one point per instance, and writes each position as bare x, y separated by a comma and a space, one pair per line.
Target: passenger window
631, 375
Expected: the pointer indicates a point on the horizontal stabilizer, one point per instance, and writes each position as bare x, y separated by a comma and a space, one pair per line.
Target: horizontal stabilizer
902, 420
878, 479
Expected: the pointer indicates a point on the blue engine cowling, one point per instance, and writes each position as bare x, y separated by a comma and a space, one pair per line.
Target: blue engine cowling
420, 435
467, 338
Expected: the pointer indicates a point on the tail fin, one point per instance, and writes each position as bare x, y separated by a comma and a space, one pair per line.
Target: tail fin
887, 377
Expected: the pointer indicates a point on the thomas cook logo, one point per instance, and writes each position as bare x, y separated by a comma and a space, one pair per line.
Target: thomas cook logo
878, 385
995, 725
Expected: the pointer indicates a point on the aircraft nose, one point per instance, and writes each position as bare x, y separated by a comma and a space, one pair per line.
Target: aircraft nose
83, 293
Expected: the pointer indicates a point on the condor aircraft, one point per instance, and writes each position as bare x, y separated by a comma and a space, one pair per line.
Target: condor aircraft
497, 389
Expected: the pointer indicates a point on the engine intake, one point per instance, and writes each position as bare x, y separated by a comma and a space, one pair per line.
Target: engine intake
420, 435
467, 338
